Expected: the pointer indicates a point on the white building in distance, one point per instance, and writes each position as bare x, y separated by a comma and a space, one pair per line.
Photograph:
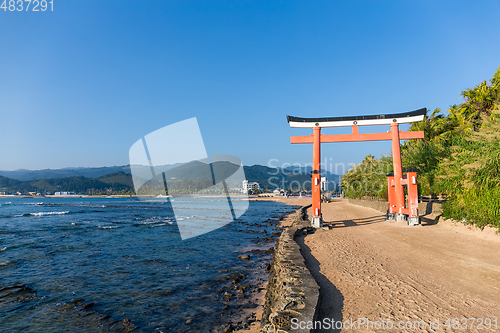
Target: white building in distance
247, 186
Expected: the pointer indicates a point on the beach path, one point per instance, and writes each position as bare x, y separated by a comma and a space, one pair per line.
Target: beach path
370, 268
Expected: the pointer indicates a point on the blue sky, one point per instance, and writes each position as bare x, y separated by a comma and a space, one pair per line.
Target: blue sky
81, 84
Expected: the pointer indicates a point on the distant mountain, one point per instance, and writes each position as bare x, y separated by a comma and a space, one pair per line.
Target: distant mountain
8, 182
77, 184
119, 177
330, 176
23, 174
178, 175
272, 178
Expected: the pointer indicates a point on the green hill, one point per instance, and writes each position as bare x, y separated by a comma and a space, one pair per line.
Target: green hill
119, 177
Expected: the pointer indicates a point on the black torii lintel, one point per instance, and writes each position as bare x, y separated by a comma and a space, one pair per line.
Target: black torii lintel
379, 119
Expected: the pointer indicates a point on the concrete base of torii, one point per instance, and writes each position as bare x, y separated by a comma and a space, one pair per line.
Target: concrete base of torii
398, 217
317, 222
413, 220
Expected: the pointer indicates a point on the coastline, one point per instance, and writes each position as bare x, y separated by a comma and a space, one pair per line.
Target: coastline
121, 196
255, 315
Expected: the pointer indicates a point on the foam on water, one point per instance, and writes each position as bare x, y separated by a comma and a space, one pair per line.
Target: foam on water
48, 213
109, 226
158, 225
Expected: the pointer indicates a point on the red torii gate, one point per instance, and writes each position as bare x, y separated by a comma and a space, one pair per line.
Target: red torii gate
396, 182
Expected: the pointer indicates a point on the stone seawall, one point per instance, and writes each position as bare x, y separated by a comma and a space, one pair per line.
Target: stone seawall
427, 210
292, 291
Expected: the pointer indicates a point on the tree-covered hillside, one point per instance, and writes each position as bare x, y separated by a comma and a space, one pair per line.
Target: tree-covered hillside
79, 185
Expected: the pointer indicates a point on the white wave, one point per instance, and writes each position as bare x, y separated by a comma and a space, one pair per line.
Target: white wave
148, 222
3, 248
33, 203
156, 221
158, 225
49, 213
93, 206
109, 227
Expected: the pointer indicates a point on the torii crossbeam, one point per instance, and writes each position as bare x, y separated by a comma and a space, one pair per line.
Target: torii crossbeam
396, 194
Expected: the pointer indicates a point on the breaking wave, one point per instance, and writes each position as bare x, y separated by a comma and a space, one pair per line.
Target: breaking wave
47, 213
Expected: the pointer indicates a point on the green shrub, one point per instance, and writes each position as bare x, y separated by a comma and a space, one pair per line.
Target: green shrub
479, 207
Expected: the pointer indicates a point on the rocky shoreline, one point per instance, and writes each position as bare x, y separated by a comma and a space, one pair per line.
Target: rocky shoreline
243, 293
282, 289
292, 292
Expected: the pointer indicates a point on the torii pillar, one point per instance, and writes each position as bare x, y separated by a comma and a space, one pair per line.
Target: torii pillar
316, 219
396, 204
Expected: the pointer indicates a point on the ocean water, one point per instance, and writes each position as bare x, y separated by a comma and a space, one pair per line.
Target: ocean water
107, 264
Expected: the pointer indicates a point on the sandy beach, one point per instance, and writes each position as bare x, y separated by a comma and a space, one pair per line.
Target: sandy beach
369, 268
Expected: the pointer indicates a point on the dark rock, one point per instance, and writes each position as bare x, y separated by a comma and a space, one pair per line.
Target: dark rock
248, 306
238, 278
227, 328
227, 297
88, 305
282, 320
